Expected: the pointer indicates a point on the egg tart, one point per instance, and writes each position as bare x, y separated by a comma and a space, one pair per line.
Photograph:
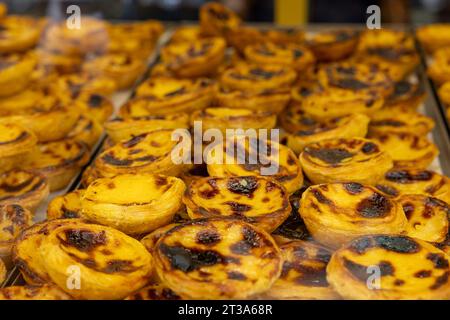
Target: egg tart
48, 122
154, 292
24, 188
400, 121
217, 259
2, 272
58, 161
196, 171
234, 118
257, 157
186, 34
67, 206
406, 96
125, 128
410, 269
86, 130
242, 36
257, 78
285, 36
340, 160
16, 143
147, 153
44, 292
98, 107
268, 100
13, 219
89, 175
161, 95
289, 55
122, 68
111, 264
147, 30
444, 93
304, 129
439, 69
92, 36
58, 61
15, 72
150, 240
304, 273
257, 200
28, 243
434, 36
408, 150
194, 59
333, 45
215, 19
108, 201
18, 33
337, 213
415, 181
428, 218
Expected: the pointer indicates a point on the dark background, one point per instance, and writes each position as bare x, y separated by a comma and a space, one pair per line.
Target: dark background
418, 11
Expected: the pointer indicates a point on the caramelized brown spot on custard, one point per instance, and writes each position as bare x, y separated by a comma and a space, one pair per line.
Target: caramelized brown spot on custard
375, 206
84, 240
330, 155
208, 237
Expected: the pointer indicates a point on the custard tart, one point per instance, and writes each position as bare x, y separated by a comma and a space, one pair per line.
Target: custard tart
186, 34
257, 200
439, 69
242, 36
18, 33
434, 36
289, 55
154, 292
70, 87
110, 264
406, 269
268, 100
43, 292
333, 45
304, 129
217, 259
406, 96
26, 248
24, 188
415, 181
256, 157
58, 161
58, 61
161, 95
337, 213
125, 128
13, 219
377, 38
86, 130
233, 118
122, 68
216, 19
408, 150
428, 218
152, 204
194, 59
400, 121
15, 72
66, 206
92, 36
16, 143
48, 122
150, 240
345, 160
304, 273
97, 106
147, 153
257, 78
284, 36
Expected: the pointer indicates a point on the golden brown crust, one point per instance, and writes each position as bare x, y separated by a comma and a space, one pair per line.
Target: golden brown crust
304, 273
216, 19
152, 204
257, 200
406, 95
16, 143
333, 45
409, 269
13, 219
66, 206
345, 160
43, 292
217, 258
86, 130
15, 73
24, 188
408, 150
401, 121
337, 213
18, 33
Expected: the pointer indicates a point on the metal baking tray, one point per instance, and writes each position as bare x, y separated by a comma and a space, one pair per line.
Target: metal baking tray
430, 108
